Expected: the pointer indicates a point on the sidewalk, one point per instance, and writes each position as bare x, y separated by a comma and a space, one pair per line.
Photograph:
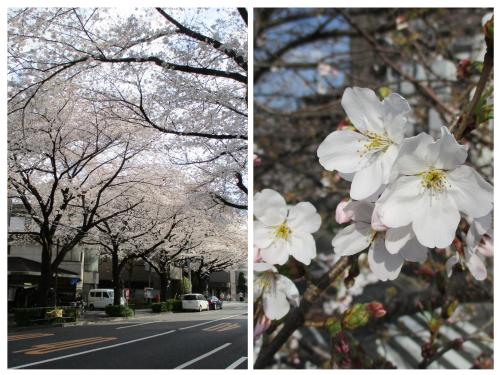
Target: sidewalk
99, 316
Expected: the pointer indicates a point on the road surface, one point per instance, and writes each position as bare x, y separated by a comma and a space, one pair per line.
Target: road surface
191, 340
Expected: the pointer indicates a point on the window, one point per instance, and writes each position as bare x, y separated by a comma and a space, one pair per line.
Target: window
105, 294
189, 297
92, 294
98, 294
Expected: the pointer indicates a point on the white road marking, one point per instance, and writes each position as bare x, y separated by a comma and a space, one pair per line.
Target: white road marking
236, 363
92, 350
139, 324
186, 364
211, 321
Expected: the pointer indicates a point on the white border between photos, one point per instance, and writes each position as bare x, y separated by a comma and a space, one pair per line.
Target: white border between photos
249, 4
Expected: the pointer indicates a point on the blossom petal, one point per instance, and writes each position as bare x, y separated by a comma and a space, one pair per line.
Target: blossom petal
413, 251
384, 265
397, 238
263, 235
360, 210
396, 109
352, 239
476, 267
387, 160
275, 303
450, 263
472, 194
303, 217
340, 151
277, 253
399, 202
415, 156
303, 247
262, 267
270, 207
450, 153
436, 221
364, 109
367, 181
289, 288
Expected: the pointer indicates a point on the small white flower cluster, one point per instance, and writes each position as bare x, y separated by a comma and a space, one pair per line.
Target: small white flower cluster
409, 194
280, 231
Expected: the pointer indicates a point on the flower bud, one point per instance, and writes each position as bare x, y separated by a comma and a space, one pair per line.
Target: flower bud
355, 317
376, 309
257, 161
342, 216
377, 224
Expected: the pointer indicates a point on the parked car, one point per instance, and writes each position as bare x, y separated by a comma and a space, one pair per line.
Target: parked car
214, 303
100, 298
194, 301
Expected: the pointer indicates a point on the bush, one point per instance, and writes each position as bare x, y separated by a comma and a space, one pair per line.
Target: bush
168, 305
44, 315
118, 310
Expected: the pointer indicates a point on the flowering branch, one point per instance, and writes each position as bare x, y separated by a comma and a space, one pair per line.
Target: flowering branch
296, 317
468, 120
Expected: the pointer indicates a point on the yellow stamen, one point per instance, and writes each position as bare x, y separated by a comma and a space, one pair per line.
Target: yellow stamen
377, 142
434, 180
282, 231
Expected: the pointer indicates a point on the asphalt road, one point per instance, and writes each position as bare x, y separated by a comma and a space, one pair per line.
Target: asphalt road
206, 340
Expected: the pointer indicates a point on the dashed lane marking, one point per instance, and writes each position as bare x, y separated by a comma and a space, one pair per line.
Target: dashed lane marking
63, 345
236, 363
28, 336
194, 360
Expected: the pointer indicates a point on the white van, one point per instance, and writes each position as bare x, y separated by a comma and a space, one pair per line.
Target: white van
100, 298
194, 301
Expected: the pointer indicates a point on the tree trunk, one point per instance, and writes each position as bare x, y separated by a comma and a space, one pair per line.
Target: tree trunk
117, 284
45, 276
163, 285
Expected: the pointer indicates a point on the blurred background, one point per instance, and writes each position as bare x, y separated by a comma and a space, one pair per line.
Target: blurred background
304, 59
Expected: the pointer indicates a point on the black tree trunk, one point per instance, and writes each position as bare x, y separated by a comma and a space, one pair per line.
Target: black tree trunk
117, 284
45, 276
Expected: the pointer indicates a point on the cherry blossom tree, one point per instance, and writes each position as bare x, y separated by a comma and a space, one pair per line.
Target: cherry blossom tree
67, 164
180, 72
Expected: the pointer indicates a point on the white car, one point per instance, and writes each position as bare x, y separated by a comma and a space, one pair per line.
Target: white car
195, 302
100, 298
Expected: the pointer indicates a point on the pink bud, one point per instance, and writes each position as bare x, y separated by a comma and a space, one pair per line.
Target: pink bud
485, 247
257, 161
342, 216
343, 125
376, 309
262, 326
257, 258
377, 224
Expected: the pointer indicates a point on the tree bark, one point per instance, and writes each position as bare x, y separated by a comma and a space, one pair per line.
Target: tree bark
45, 276
117, 285
163, 285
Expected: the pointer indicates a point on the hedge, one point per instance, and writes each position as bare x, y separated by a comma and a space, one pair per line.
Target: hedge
168, 305
118, 310
44, 315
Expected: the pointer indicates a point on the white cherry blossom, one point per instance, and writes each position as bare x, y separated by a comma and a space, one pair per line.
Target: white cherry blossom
281, 230
368, 154
277, 291
387, 249
434, 188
